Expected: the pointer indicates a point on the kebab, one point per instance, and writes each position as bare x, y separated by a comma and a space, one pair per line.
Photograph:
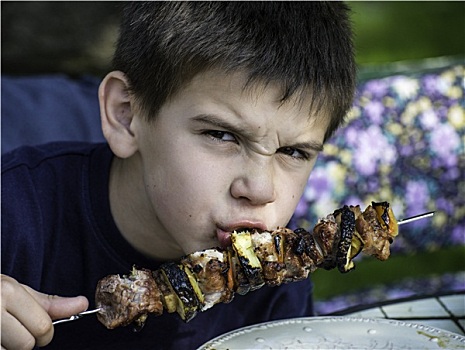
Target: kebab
256, 258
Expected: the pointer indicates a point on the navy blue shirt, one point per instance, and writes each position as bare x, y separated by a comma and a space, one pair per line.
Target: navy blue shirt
59, 237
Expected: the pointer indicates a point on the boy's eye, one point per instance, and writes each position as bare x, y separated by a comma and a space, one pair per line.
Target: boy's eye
294, 153
221, 135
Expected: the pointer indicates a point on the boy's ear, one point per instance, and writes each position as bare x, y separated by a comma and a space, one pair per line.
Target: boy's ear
117, 114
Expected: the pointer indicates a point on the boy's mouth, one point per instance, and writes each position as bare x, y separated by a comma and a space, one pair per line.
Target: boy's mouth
224, 234
224, 237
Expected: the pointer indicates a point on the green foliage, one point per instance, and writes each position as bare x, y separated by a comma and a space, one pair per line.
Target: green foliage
407, 30
370, 273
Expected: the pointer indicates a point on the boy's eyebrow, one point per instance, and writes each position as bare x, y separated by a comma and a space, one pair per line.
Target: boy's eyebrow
213, 120
314, 146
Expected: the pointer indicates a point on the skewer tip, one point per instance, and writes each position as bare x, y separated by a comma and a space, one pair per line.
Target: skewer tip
415, 218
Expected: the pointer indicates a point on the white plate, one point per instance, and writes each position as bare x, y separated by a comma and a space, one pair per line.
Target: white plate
337, 333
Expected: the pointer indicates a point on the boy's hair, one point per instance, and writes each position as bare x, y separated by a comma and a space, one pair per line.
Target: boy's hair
303, 46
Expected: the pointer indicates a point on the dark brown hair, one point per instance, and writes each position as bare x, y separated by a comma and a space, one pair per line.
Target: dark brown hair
303, 46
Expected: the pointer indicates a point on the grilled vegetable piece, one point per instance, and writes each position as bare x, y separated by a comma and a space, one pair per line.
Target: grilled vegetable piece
187, 302
127, 299
347, 229
239, 281
357, 243
242, 245
193, 282
386, 218
279, 245
169, 298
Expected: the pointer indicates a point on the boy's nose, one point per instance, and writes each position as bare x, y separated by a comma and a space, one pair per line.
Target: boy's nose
255, 183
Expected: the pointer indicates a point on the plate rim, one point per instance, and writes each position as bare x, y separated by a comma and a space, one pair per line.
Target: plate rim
219, 340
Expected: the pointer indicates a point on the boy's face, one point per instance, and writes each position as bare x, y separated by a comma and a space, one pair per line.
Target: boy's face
219, 158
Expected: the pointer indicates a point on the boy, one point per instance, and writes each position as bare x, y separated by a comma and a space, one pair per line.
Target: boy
214, 116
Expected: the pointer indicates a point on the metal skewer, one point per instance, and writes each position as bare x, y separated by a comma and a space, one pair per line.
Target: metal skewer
414, 218
76, 317
82, 314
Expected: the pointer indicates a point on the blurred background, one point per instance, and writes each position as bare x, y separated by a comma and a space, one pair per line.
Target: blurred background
409, 113
77, 37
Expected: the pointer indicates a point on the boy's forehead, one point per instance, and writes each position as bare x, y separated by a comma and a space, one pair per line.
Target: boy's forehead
218, 81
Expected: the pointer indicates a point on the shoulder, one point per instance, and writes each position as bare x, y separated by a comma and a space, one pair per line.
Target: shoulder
38, 176
34, 178
31, 157
43, 203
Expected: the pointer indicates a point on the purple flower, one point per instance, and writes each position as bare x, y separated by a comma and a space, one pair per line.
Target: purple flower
444, 141
354, 200
321, 186
458, 234
365, 164
373, 185
372, 148
429, 119
416, 197
453, 173
377, 88
405, 87
444, 205
374, 110
442, 112
301, 208
430, 83
351, 136
319, 182
406, 150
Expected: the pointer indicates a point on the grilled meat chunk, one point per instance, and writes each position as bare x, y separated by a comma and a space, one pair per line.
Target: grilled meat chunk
326, 234
210, 269
127, 299
273, 266
377, 240
293, 257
